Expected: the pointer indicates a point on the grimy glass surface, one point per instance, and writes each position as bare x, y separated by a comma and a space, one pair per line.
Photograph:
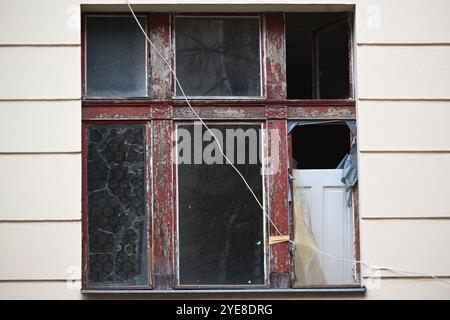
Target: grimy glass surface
218, 56
220, 225
115, 57
117, 214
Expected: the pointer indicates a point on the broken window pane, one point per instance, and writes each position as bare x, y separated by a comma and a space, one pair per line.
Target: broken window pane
220, 225
117, 214
218, 56
318, 55
115, 57
332, 63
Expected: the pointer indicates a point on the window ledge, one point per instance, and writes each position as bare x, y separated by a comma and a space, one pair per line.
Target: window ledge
350, 290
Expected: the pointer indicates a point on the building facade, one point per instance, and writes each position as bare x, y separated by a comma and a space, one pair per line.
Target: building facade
398, 96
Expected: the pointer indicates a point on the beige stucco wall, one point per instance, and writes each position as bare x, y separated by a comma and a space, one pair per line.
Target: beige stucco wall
403, 107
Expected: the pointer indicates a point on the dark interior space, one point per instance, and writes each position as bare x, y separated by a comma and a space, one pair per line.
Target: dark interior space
320, 146
318, 56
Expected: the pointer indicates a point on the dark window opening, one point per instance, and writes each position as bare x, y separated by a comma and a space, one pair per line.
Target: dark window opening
320, 146
318, 56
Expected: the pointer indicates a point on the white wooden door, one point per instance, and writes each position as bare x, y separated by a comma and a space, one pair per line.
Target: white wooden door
331, 220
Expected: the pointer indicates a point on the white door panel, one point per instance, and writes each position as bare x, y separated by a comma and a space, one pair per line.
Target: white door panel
331, 220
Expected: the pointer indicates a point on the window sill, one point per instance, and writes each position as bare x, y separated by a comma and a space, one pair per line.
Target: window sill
330, 290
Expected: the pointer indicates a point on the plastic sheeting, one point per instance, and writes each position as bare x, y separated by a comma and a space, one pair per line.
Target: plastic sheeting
349, 164
308, 271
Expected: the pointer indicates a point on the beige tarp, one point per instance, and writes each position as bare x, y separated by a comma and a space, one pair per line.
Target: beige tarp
308, 270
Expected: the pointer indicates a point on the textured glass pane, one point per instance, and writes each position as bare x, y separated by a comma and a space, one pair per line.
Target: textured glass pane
115, 57
221, 226
218, 56
117, 215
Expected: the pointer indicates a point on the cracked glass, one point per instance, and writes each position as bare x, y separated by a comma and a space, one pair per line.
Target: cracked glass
218, 56
117, 205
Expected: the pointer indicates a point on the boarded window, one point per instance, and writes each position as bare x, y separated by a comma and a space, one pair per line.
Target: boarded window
218, 56
117, 214
115, 57
220, 225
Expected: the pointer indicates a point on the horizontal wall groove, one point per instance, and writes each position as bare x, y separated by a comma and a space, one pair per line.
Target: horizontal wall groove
33, 153
40, 220
405, 99
382, 277
40, 99
403, 44
39, 280
406, 151
38, 45
407, 218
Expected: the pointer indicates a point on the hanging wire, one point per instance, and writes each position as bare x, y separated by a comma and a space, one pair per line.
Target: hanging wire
172, 71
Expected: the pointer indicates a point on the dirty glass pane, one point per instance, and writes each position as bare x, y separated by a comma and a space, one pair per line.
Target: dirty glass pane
218, 56
117, 214
115, 57
220, 225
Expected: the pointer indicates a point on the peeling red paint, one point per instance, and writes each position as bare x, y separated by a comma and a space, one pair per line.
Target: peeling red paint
161, 112
163, 207
278, 197
275, 56
160, 87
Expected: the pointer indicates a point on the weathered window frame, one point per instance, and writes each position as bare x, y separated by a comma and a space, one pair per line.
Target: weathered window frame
263, 143
161, 111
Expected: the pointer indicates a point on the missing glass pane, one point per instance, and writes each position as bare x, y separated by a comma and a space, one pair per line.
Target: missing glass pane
115, 57
318, 54
218, 56
117, 214
320, 146
220, 225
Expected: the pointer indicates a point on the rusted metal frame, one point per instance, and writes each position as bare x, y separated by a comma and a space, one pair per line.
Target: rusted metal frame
263, 143
84, 210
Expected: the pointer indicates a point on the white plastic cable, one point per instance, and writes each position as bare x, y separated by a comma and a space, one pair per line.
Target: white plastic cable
201, 120
373, 267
